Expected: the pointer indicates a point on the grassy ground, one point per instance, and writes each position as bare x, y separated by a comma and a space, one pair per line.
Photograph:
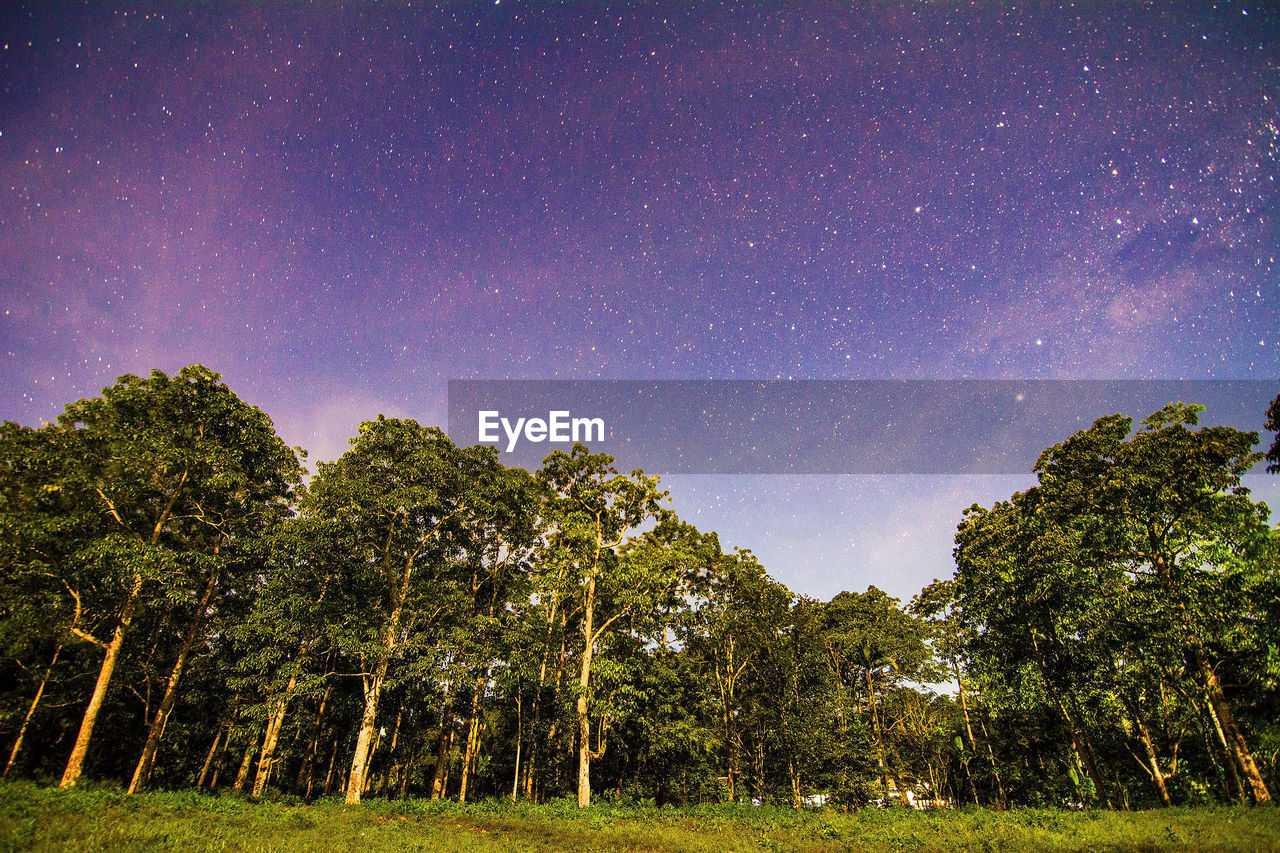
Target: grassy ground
40, 818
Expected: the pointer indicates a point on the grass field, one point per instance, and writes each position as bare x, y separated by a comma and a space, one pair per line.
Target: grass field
34, 817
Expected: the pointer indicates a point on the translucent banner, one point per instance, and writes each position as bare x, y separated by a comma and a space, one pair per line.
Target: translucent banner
820, 426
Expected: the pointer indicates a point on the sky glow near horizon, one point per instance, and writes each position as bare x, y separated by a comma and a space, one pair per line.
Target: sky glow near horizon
340, 209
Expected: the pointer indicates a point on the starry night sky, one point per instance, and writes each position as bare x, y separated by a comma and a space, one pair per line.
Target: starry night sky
340, 208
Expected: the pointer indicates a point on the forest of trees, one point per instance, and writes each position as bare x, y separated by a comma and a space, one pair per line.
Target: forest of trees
178, 610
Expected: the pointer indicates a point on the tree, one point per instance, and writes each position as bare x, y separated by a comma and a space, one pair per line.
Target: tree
872, 646
730, 631
400, 506
1167, 504
590, 509
1123, 568
172, 471
949, 639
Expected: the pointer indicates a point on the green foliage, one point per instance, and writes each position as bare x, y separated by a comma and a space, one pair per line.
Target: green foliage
1111, 635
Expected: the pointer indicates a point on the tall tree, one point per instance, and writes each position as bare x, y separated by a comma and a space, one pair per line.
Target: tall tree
730, 632
1124, 566
591, 508
400, 505
871, 647
174, 469
1167, 505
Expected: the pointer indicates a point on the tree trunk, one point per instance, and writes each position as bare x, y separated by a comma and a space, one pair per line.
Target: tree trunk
584, 680
142, 772
995, 769
440, 776
797, 802
275, 721
328, 776
373, 687
515, 783
1231, 778
1234, 738
968, 727
35, 702
877, 732
473, 724
305, 771
407, 774
1079, 743
1157, 775
364, 741
726, 682
536, 717
217, 762
1084, 752
368, 761
531, 771
444, 760
250, 750
208, 759
75, 764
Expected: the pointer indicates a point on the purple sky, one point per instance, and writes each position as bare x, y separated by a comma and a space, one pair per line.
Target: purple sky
342, 208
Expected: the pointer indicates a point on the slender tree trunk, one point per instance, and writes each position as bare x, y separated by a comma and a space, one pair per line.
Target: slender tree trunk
877, 731
407, 774
995, 768
584, 680
968, 727
1157, 775
444, 762
275, 721
1084, 752
373, 687
217, 762
536, 717
445, 745
472, 735
142, 772
472, 754
364, 741
31, 710
797, 802
732, 760
726, 683
328, 776
1235, 786
515, 782
213, 750
1079, 742
242, 775
531, 763
1230, 730
373, 749
757, 767
305, 771
75, 764
531, 771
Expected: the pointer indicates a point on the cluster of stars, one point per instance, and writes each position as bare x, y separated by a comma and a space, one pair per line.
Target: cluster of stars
539, 190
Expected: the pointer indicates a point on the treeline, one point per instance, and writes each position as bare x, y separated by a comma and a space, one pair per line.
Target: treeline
178, 610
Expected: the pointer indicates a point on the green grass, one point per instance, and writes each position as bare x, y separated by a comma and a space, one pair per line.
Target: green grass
34, 817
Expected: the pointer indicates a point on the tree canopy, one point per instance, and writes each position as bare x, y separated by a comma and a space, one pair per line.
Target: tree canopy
176, 609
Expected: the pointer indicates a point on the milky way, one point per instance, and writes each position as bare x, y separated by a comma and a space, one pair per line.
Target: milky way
341, 209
